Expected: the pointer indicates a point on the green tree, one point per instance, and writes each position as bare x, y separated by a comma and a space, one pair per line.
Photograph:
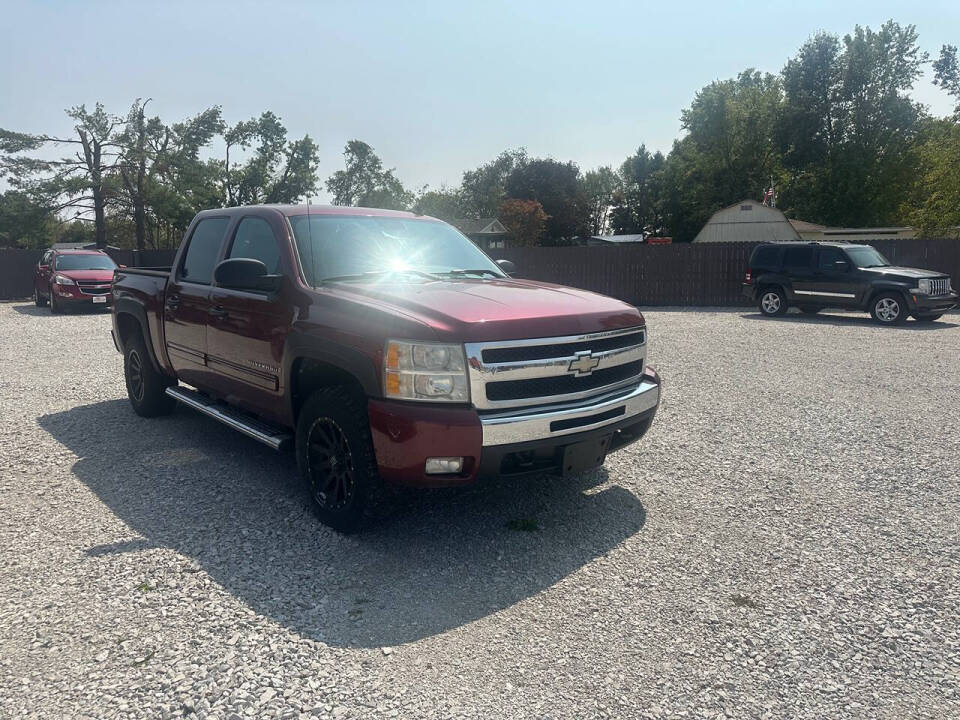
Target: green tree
637, 202
83, 182
483, 190
24, 222
556, 186
443, 203
364, 182
156, 160
599, 188
278, 171
946, 74
848, 130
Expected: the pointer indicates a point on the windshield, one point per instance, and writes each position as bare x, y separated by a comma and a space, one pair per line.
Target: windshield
84, 262
866, 257
354, 248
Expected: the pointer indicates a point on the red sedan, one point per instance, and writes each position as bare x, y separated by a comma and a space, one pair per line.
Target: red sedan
73, 278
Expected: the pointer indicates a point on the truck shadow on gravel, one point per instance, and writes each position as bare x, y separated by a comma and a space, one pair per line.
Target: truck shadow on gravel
943, 323
439, 560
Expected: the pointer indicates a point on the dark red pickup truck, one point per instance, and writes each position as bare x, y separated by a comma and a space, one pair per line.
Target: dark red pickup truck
385, 347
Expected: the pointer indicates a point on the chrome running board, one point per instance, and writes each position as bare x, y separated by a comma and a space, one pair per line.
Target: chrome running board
273, 435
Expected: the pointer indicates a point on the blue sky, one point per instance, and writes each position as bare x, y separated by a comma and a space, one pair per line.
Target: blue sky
435, 87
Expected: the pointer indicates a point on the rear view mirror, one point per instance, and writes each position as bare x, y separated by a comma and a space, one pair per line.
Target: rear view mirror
507, 266
246, 274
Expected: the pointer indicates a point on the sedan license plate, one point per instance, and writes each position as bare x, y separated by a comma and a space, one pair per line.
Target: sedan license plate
586, 455
100, 299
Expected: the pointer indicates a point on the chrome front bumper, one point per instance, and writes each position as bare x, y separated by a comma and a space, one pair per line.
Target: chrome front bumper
503, 429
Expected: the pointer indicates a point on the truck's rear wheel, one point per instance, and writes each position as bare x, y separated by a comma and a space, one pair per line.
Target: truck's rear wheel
336, 459
146, 387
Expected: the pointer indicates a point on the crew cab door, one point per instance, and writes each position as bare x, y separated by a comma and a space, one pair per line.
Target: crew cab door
834, 281
187, 301
247, 329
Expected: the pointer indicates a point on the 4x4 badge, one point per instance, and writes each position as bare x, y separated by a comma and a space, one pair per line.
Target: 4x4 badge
584, 363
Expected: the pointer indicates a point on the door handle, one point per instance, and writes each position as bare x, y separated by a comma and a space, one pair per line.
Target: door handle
218, 311
173, 301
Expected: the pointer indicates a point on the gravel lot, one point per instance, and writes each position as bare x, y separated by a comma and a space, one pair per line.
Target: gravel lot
784, 543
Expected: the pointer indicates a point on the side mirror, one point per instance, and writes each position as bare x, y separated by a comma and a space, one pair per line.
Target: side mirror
121, 266
842, 265
507, 266
246, 274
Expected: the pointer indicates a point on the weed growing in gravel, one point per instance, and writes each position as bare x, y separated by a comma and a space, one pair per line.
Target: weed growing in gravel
523, 524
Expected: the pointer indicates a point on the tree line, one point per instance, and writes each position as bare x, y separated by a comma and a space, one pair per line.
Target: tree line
835, 132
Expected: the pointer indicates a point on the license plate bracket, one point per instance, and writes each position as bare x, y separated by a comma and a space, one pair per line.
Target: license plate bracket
100, 298
587, 455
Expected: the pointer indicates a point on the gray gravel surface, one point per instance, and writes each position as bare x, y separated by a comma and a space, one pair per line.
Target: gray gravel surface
784, 543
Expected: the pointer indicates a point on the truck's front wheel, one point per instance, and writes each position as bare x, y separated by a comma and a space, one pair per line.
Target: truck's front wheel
336, 459
146, 387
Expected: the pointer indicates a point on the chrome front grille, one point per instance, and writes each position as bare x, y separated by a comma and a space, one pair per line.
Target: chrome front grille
527, 373
94, 288
940, 286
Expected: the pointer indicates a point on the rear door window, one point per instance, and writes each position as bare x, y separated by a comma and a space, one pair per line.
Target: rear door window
203, 250
766, 258
798, 257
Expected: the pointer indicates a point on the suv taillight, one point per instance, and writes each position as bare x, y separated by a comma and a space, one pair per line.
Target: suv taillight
746, 278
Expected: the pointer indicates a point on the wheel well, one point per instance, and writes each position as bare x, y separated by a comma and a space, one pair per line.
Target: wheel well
307, 376
886, 291
127, 325
771, 286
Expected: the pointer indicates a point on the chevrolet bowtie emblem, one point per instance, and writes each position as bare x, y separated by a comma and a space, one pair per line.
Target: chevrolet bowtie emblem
583, 364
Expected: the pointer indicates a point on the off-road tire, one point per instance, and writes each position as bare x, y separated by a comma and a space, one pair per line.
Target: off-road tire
888, 308
146, 387
336, 459
772, 301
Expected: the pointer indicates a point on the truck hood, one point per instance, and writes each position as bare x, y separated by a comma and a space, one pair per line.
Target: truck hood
103, 276
481, 310
904, 272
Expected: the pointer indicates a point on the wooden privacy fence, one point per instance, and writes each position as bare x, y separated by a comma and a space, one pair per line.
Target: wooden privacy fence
682, 274
690, 274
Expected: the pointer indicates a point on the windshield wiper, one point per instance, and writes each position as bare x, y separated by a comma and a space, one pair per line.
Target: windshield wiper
370, 275
480, 271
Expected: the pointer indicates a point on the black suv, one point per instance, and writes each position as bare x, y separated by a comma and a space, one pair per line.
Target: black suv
814, 275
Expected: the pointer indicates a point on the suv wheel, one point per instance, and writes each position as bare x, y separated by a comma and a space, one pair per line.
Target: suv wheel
336, 459
772, 302
928, 318
38, 299
54, 305
888, 309
146, 387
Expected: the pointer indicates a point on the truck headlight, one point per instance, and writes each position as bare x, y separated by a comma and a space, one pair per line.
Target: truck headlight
62, 280
432, 372
923, 287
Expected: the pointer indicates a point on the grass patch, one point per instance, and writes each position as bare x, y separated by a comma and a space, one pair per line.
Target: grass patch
523, 524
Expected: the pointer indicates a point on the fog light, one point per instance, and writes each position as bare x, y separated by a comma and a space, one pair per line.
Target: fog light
443, 465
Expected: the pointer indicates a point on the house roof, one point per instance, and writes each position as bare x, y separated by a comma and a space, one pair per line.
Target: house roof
804, 226
480, 226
